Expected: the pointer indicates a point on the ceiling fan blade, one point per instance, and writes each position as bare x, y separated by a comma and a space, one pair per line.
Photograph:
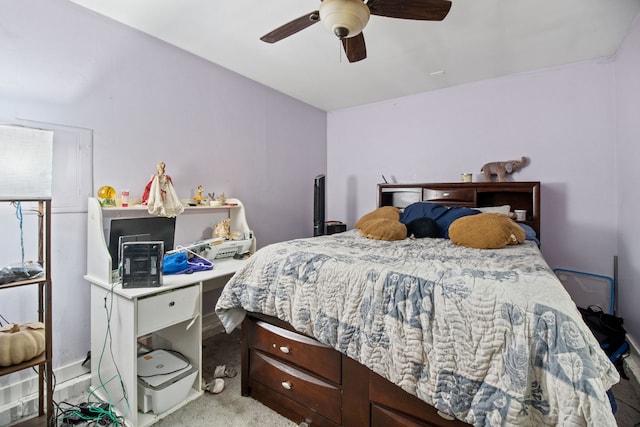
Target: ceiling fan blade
423, 10
355, 48
292, 27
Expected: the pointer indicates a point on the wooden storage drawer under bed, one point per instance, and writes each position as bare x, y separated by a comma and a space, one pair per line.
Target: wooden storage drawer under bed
297, 385
305, 380
295, 349
290, 408
408, 410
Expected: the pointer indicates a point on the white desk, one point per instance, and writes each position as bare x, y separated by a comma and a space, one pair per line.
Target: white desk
170, 316
221, 268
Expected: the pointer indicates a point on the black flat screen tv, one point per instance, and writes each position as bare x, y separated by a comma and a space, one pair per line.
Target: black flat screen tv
319, 205
148, 229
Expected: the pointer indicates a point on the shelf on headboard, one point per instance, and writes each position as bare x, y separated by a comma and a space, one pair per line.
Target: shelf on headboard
518, 195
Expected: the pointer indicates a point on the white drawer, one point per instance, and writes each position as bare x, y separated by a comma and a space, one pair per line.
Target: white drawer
167, 308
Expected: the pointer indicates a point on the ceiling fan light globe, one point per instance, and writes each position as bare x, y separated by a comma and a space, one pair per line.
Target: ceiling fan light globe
340, 16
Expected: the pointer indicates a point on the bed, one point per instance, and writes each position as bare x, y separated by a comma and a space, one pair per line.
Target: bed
344, 330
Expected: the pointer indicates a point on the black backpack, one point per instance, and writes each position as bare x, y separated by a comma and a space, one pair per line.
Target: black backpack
609, 332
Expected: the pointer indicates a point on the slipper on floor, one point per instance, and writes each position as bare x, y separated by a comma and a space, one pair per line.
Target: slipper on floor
224, 371
214, 387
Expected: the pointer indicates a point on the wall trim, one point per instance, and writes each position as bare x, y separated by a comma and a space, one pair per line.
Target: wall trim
632, 365
71, 380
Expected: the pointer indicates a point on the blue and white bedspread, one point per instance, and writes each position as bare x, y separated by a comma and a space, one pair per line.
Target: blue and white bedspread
488, 336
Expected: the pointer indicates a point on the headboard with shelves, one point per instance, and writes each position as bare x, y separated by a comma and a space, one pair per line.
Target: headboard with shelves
518, 195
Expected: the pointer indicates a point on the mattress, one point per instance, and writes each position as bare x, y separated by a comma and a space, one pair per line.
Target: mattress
490, 337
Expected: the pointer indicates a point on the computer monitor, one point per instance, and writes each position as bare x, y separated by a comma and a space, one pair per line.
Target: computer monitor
139, 229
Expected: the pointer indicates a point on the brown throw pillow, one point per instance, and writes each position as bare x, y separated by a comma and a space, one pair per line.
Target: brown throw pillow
486, 231
387, 212
383, 229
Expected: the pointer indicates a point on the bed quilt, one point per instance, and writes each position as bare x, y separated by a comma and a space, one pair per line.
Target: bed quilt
488, 336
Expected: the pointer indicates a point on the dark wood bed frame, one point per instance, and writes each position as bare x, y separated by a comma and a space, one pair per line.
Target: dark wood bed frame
315, 385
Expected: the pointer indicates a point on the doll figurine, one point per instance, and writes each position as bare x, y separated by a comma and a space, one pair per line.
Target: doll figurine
159, 195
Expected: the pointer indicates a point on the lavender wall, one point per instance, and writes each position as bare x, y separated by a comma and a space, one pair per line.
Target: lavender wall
628, 153
577, 123
563, 119
147, 101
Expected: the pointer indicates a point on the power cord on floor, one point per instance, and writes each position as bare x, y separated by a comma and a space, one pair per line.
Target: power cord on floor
86, 414
94, 413
108, 344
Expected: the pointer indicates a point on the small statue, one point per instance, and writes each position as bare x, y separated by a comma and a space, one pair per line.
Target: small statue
159, 195
199, 199
222, 229
223, 199
501, 169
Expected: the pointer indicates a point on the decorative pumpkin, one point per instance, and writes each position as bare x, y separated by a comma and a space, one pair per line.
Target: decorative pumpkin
19, 343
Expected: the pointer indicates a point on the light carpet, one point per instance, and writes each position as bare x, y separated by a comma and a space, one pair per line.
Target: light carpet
228, 408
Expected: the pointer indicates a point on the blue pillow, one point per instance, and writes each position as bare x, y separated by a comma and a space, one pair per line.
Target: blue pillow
530, 233
442, 215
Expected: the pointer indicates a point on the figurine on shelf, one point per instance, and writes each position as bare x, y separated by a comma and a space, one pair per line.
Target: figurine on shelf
107, 195
199, 199
212, 200
159, 195
223, 230
223, 199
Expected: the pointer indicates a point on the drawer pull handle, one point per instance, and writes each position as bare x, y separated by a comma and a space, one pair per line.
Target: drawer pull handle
287, 385
285, 349
446, 194
172, 303
445, 416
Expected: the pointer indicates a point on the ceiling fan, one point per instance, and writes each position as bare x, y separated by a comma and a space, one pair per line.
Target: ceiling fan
347, 18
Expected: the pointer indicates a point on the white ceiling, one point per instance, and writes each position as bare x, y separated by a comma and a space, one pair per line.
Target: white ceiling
479, 39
